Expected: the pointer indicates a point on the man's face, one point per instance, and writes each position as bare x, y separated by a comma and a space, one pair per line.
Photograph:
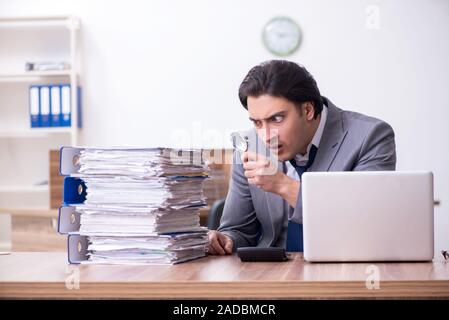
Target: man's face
285, 128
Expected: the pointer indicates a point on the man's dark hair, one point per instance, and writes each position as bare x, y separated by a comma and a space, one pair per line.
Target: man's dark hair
281, 78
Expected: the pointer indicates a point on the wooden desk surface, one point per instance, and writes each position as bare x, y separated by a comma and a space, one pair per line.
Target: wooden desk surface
44, 275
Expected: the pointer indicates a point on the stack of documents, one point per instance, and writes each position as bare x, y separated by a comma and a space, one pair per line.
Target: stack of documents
142, 163
142, 205
160, 249
136, 221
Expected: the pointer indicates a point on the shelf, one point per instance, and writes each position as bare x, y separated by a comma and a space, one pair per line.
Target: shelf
24, 188
32, 76
56, 21
35, 132
24, 196
31, 212
33, 41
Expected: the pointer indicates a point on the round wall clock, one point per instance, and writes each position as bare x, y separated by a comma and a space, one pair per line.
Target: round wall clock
282, 36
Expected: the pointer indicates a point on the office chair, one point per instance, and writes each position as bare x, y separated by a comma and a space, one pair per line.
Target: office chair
213, 219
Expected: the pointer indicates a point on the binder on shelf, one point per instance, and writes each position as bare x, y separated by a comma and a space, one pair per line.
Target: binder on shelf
56, 116
45, 106
79, 108
50, 106
66, 106
34, 102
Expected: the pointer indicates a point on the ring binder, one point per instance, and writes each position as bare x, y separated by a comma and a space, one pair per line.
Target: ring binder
74, 190
34, 101
69, 220
45, 106
77, 248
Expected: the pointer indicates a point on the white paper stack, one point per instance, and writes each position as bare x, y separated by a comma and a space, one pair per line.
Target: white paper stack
136, 221
142, 163
142, 205
160, 249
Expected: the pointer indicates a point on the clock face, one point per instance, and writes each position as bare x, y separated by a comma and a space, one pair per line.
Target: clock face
282, 36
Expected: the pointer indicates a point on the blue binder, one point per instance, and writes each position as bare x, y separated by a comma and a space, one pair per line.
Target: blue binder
55, 106
44, 95
34, 103
66, 108
79, 107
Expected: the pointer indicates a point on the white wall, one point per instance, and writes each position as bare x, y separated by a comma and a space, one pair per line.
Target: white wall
153, 67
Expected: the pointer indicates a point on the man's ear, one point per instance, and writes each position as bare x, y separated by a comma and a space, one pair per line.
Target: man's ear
308, 110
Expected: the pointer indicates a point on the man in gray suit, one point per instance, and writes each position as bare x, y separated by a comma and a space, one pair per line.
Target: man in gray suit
302, 131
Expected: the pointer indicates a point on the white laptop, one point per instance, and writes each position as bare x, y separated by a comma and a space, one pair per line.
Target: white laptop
368, 216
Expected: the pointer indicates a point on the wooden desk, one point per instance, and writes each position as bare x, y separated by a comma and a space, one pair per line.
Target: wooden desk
44, 274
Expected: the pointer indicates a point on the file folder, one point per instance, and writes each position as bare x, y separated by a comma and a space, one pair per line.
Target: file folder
45, 106
34, 106
56, 116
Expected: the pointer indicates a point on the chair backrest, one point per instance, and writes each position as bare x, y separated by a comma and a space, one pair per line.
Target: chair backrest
216, 187
214, 217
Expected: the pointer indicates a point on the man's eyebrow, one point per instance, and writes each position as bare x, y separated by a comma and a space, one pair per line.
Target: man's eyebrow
280, 113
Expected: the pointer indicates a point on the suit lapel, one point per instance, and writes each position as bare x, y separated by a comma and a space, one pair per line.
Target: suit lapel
333, 135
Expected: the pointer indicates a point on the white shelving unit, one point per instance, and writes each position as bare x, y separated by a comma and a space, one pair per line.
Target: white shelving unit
24, 150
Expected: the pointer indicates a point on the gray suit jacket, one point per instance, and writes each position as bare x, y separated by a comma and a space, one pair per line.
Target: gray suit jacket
350, 142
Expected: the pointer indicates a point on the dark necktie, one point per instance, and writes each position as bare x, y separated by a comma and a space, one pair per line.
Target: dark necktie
294, 230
